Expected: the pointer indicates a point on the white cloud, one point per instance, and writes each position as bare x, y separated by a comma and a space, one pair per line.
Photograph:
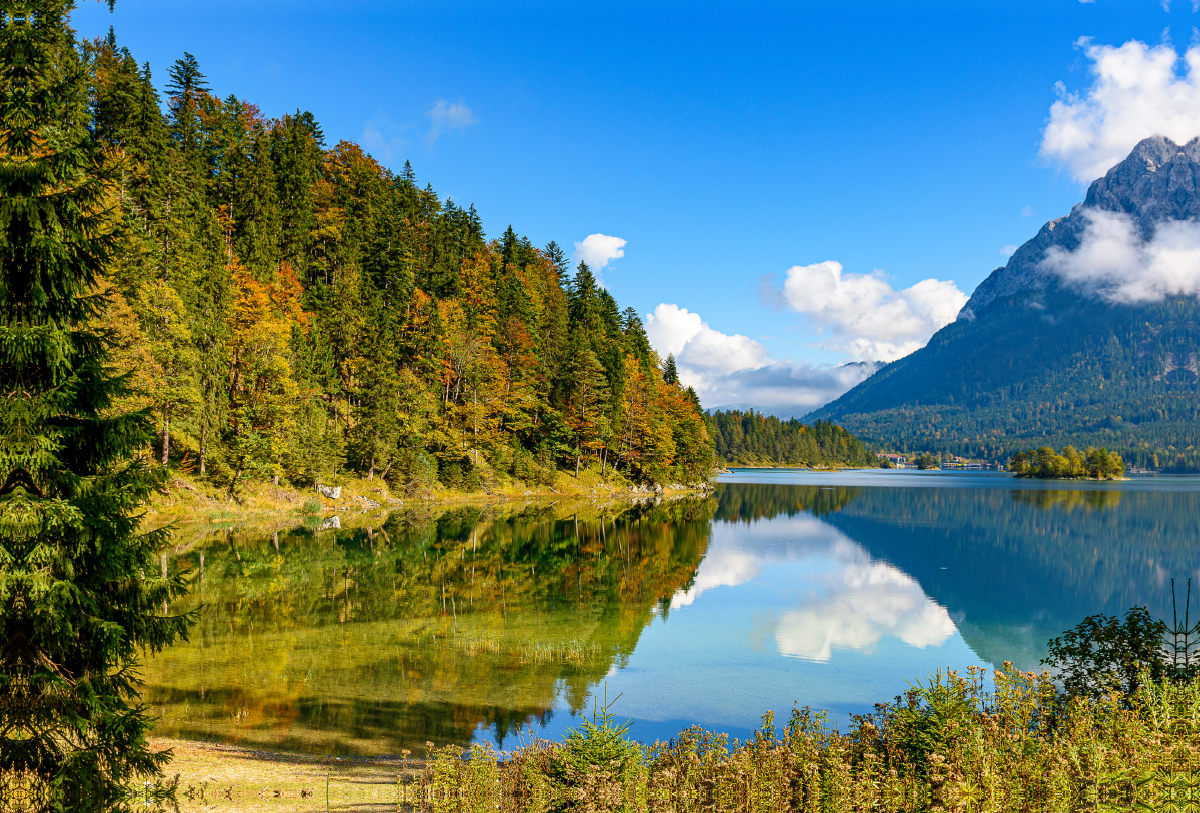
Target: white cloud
1113, 260
1027, 211
734, 369
445, 117
862, 316
1137, 91
1008, 250
598, 250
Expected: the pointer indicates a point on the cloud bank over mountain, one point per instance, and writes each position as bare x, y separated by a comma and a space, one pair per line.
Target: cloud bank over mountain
861, 315
1113, 260
1137, 91
735, 369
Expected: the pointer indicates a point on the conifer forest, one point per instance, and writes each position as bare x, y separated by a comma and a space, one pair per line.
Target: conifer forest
292, 310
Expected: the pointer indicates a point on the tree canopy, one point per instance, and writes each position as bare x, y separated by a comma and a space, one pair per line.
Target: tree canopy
753, 439
294, 311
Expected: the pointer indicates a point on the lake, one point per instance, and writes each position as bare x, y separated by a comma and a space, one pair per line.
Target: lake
826, 589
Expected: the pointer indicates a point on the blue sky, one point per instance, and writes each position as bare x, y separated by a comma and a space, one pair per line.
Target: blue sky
904, 142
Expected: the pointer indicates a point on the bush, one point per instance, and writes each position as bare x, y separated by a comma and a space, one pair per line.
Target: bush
1023, 746
1102, 654
599, 746
414, 471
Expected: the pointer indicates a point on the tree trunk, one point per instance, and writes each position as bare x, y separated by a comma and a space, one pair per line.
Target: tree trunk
371, 469
166, 437
203, 446
577, 461
233, 480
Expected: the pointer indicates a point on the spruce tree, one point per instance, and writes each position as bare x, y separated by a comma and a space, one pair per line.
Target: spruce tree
79, 595
670, 371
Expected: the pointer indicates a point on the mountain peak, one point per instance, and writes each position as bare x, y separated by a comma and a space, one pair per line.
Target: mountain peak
1157, 182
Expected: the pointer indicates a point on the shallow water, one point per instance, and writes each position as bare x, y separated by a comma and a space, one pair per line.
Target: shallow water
832, 590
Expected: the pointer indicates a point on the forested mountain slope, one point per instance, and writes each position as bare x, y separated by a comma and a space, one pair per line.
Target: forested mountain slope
291, 310
749, 438
1038, 358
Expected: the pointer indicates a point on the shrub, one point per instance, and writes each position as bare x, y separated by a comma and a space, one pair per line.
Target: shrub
599, 748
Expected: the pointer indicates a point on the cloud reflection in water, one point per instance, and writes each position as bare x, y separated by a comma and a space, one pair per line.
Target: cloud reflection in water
852, 602
862, 603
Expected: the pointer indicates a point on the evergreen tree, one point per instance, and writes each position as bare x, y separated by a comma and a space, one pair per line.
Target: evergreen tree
670, 373
76, 603
558, 258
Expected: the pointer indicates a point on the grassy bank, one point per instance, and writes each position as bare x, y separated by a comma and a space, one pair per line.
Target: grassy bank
194, 505
945, 746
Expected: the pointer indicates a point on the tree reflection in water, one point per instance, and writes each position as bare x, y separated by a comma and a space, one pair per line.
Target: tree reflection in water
382, 638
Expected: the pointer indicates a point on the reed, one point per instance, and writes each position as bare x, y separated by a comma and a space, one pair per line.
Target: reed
946, 745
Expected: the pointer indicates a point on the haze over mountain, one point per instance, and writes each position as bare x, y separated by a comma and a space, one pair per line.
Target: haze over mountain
1089, 335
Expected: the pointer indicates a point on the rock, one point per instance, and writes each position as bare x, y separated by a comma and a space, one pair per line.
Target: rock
331, 522
330, 492
1159, 182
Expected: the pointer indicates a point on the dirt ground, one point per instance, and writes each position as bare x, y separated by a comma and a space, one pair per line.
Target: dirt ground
228, 778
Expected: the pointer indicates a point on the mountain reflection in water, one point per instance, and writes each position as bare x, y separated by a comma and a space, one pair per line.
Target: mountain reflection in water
833, 589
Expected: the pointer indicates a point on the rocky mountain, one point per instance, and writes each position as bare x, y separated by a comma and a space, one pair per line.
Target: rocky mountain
1089, 335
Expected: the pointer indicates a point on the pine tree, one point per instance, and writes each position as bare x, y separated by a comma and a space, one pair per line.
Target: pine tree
76, 604
670, 372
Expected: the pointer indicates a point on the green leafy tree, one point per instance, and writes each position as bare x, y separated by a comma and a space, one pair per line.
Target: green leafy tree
76, 603
1103, 653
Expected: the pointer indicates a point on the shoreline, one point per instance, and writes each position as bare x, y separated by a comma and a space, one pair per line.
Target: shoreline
194, 506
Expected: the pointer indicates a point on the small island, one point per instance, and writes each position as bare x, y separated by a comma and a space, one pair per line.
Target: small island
1045, 463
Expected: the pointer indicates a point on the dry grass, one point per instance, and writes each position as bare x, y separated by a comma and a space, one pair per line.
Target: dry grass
196, 507
231, 778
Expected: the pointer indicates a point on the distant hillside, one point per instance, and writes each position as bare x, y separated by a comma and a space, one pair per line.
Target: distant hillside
753, 439
1033, 360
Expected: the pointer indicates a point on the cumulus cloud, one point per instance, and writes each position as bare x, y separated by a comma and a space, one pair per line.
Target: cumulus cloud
445, 117
1008, 250
1137, 91
1114, 261
380, 138
729, 369
598, 250
861, 315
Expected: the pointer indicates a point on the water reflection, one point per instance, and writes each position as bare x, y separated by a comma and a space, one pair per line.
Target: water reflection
832, 590
426, 628
850, 603
860, 604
